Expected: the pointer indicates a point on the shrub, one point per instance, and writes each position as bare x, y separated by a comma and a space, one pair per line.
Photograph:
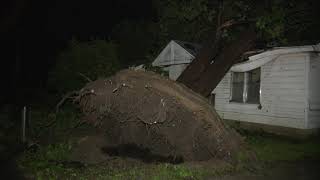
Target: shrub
82, 61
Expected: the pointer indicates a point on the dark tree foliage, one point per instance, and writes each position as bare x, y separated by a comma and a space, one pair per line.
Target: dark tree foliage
81, 63
33, 32
272, 23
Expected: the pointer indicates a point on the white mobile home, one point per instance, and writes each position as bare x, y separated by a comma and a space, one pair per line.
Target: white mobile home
278, 87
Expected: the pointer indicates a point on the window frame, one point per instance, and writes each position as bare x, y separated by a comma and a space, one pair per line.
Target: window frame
245, 88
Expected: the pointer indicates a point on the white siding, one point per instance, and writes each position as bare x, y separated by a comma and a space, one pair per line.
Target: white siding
176, 70
173, 54
282, 94
181, 55
165, 57
314, 92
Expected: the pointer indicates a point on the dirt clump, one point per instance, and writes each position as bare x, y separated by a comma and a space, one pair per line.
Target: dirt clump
88, 150
163, 120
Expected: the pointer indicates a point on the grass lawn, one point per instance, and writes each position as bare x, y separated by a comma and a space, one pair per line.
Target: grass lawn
270, 148
49, 162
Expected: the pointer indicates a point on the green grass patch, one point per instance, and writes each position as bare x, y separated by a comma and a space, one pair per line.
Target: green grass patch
45, 161
48, 163
270, 148
147, 172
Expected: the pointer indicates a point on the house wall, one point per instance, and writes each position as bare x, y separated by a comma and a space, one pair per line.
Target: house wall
282, 96
176, 70
314, 92
173, 54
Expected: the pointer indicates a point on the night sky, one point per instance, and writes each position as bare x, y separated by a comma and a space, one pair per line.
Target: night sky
33, 31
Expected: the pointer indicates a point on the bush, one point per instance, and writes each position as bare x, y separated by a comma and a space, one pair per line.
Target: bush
82, 61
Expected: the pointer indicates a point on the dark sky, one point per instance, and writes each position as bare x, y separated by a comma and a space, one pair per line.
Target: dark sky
40, 28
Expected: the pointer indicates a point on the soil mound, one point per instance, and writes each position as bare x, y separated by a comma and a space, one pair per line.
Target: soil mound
138, 110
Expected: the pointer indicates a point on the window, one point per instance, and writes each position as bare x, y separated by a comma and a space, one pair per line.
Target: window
253, 92
237, 87
245, 87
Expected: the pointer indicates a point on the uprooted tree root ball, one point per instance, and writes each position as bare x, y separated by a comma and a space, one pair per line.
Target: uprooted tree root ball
143, 111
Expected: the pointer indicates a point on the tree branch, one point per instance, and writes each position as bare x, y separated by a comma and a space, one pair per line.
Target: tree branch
65, 97
85, 77
232, 22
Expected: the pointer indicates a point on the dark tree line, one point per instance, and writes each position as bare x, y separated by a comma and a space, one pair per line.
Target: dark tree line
34, 32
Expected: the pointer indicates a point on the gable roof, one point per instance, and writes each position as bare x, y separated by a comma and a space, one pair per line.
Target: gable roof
177, 52
192, 48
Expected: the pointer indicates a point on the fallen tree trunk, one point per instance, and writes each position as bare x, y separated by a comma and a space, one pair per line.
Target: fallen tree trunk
230, 55
209, 67
202, 60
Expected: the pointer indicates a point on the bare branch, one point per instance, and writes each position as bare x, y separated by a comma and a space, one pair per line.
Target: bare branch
85, 77
65, 97
75, 96
232, 22
220, 14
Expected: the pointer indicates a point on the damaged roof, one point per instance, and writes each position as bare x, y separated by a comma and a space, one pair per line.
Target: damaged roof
192, 48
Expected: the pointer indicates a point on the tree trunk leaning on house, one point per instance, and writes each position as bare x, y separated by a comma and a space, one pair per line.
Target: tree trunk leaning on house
202, 60
208, 52
229, 55
210, 65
